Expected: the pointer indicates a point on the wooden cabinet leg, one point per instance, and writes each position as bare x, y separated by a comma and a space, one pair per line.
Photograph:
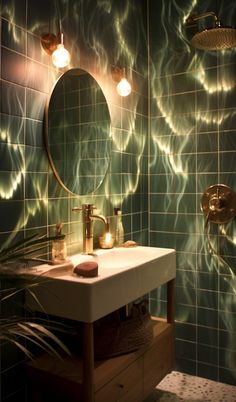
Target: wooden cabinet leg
171, 301
88, 362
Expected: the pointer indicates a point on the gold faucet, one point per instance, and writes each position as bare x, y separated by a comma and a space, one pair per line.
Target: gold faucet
88, 218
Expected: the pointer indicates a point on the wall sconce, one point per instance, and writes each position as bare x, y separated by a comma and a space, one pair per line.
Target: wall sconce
54, 46
119, 75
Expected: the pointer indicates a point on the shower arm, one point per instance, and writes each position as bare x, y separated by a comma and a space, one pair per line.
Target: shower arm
192, 19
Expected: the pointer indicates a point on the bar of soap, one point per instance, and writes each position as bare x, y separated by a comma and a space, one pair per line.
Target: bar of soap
130, 243
88, 269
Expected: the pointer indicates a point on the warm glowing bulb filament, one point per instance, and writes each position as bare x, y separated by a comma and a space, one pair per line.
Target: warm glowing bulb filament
60, 56
124, 87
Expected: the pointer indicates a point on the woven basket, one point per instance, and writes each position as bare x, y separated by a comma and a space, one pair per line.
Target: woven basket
114, 335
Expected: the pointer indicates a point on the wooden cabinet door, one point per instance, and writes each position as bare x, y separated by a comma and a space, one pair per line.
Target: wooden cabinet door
125, 387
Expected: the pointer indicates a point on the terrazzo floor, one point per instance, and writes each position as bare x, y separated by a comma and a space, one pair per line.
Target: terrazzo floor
179, 387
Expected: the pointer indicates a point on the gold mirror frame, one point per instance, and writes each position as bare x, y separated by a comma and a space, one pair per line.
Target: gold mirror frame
78, 132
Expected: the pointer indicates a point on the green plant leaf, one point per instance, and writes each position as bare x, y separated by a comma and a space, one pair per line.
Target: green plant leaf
19, 346
14, 328
17, 244
49, 334
26, 246
30, 334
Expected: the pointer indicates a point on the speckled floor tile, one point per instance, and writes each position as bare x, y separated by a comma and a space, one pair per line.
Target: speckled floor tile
179, 387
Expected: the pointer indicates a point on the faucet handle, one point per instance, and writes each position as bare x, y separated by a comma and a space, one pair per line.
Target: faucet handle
86, 208
76, 209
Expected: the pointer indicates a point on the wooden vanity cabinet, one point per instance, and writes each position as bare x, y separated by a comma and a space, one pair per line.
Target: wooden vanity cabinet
127, 378
149, 366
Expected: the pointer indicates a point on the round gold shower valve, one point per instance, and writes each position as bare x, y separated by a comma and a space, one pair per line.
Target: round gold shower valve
218, 203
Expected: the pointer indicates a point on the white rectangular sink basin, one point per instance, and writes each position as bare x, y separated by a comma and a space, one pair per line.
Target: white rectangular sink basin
124, 275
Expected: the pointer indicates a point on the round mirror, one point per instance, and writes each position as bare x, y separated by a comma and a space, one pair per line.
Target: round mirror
78, 132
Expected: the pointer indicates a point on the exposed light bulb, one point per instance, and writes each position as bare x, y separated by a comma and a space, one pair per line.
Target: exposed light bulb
123, 87
60, 56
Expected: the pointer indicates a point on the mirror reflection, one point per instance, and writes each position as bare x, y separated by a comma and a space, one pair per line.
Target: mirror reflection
78, 132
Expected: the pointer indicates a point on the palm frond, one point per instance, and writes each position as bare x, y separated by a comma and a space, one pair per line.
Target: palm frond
45, 332
17, 330
26, 246
34, 336
36, 299
17, 244
26, 352
34, 333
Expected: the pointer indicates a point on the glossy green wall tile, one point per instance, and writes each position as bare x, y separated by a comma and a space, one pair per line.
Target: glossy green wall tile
157, 181
99, 35
192, 146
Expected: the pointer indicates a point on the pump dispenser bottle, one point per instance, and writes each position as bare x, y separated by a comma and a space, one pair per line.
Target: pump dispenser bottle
119, 230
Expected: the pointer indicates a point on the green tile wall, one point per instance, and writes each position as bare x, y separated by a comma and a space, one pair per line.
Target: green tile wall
190, 116
99, 35
192, 146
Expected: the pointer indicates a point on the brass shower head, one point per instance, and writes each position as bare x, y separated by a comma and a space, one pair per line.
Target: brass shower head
213, 38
